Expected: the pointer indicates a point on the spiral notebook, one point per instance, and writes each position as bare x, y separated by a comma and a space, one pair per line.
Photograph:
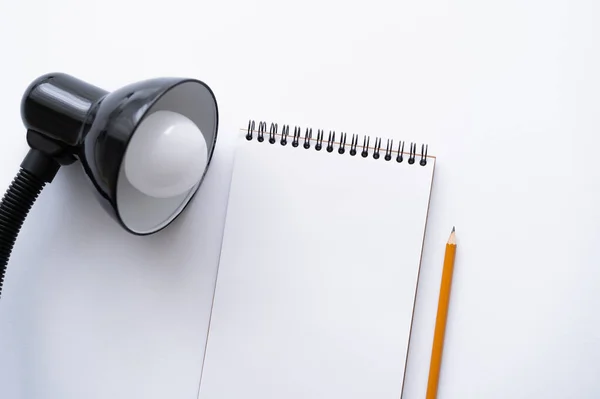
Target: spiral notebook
319, 266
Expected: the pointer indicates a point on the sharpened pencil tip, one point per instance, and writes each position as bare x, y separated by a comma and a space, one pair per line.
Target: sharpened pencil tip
452, 238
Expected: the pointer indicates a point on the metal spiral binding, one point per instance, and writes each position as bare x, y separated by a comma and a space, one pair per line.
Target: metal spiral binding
377, 148
353, 146
296, 138
272, 133
285, 132
262, 128
307, 138
330, 141
365, 151
412, 153
388, 150
319, 144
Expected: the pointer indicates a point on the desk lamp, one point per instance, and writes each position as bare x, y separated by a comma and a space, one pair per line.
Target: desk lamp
145, 147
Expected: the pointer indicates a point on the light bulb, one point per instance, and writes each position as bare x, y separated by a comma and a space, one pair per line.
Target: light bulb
166, 155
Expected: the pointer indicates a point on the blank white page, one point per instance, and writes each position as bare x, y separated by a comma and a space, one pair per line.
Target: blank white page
318, 274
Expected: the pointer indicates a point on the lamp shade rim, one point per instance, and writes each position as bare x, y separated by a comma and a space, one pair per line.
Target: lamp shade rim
190, 196
104, 150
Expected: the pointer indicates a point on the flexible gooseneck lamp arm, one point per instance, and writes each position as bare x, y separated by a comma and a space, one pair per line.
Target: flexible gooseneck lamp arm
37, 169
146, 148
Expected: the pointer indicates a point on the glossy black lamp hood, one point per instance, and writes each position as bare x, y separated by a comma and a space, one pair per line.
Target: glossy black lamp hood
145, 147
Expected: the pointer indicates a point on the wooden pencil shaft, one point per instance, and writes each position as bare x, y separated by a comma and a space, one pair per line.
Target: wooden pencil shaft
441, 318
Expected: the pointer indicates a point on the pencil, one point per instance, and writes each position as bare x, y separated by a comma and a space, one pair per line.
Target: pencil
442, 315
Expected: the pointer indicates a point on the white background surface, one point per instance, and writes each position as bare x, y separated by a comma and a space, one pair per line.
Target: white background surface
505, 93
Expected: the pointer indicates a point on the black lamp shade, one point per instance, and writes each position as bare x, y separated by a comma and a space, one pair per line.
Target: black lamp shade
95, 127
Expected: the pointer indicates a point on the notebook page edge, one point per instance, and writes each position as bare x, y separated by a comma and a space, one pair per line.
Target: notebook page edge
237, 146
432, 178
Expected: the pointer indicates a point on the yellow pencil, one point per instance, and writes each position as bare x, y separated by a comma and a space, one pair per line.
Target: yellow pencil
442, 315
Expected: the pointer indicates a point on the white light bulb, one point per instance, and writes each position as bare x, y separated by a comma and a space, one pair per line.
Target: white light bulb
166, 156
